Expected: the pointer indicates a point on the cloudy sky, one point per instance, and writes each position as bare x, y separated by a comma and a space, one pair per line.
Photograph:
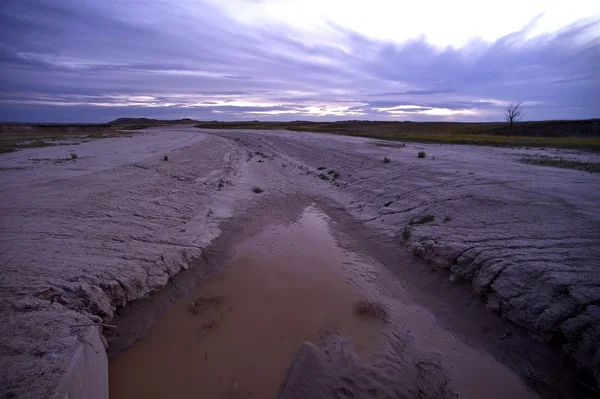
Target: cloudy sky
462, 60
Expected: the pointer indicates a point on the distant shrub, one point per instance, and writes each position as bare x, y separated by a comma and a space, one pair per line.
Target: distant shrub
406, 233
371, 309
386, 160
391, 145
166, 158
74, 155
422, 154
423, 220
257, 190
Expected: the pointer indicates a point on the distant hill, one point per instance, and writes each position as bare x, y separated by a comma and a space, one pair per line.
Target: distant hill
148, 121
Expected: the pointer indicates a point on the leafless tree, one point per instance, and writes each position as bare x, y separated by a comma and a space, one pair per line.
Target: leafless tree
513, 113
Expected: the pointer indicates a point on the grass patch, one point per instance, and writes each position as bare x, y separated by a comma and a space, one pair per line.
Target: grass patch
4, 169
15, 137
323, 176
579, 134
6, 147
334, 174
422, 154
74, 155
389, 145
11, 144
423, 220
260, 154
211, 321
203, 302
406, 233
592, 167
207, 306
386, 160
257, 190
373, 310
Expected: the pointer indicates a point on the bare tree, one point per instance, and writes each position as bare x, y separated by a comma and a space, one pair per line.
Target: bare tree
513, 113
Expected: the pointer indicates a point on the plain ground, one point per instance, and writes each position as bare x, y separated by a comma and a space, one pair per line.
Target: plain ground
83, 237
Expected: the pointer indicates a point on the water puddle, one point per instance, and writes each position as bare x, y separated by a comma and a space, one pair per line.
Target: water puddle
289, 284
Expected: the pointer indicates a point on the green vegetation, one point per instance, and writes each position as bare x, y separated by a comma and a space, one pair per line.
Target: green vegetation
592, 167
14, 137
144, 123
580, 134
334, 174
6, 169
422, 154
74, 155
423, 220
203, 302
389, 145
12, 143
406, 233
373, 310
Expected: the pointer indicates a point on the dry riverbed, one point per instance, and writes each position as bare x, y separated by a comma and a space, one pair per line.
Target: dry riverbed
106, 237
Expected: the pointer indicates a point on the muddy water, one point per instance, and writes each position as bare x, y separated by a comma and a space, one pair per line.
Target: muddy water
289, 284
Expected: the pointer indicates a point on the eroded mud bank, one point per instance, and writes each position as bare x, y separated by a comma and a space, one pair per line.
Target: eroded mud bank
238, 332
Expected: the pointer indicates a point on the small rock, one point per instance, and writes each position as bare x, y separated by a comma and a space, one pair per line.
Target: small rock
30, 303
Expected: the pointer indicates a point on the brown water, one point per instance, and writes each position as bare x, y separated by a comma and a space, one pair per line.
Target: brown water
289, 284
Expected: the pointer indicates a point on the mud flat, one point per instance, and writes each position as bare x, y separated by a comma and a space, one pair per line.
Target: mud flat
290, 284
104, 239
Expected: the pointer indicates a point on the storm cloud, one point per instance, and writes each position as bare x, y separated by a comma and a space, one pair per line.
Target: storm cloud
84, 61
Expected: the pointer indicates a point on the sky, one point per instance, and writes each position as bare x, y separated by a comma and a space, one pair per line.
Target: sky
88, 61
